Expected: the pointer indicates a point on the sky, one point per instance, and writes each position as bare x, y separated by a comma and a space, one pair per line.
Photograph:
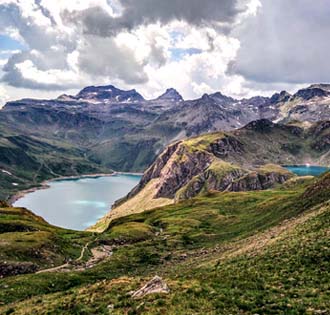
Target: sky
239, 47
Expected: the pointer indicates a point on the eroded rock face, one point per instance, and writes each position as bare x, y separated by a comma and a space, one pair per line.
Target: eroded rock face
154, 171
210, 180
221, 183
174, 168
234, 180
226, 146
180, 171
257, 181
14, 268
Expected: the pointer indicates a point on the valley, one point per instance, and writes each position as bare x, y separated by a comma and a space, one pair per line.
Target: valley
164, 157
218, 224
209, 249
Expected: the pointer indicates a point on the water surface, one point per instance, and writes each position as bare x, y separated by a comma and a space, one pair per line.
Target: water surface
305, 170
78, 203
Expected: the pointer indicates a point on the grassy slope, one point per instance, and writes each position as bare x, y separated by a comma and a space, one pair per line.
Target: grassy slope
212, 253
30, 160
27, 238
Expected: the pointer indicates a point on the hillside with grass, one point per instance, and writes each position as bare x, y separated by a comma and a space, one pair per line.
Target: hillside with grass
28, 243
27, 161
246, 159
256, 252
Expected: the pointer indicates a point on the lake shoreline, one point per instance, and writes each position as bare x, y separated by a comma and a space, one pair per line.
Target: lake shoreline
45, 184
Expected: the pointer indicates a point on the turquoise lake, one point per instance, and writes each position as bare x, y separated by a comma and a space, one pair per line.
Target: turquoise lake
78, 203
304, 170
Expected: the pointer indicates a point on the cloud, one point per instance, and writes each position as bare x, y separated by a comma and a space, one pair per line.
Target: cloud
3, 96
145, 44
285, 42
196, 74
103, 57
96, 21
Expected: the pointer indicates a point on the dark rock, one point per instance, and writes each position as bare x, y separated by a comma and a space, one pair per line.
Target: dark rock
171, 95
109, 92
320, 127
310, 93
262, 125
321, 144
280, 97
4, 204
16, 268
257, 181
225, 146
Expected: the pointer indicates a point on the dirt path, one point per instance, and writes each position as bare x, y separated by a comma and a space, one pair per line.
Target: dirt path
99, 254
58, 268
68, 264
83, 251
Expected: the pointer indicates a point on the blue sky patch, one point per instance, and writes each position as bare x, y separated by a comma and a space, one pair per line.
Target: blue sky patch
179, 53
7, 43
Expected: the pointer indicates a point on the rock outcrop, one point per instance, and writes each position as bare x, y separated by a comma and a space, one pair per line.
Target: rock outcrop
155, 285
16, 268
259, 180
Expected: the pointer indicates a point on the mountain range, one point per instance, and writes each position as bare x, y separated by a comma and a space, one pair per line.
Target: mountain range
103, 128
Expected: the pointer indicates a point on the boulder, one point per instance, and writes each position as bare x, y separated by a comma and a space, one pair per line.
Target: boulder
155, 285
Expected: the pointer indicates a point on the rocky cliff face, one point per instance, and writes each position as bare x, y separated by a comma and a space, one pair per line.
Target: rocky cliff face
259, 180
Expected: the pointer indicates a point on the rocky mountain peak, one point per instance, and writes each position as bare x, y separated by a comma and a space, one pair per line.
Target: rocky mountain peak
109, 93
312, 92
206, 97
220, 97
323, 86
283, 96
171, 95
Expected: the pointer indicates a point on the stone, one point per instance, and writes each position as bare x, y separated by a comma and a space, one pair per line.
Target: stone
155, 285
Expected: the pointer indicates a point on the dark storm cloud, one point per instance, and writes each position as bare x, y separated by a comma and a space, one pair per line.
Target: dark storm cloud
288, 41
98, 22
101, 56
